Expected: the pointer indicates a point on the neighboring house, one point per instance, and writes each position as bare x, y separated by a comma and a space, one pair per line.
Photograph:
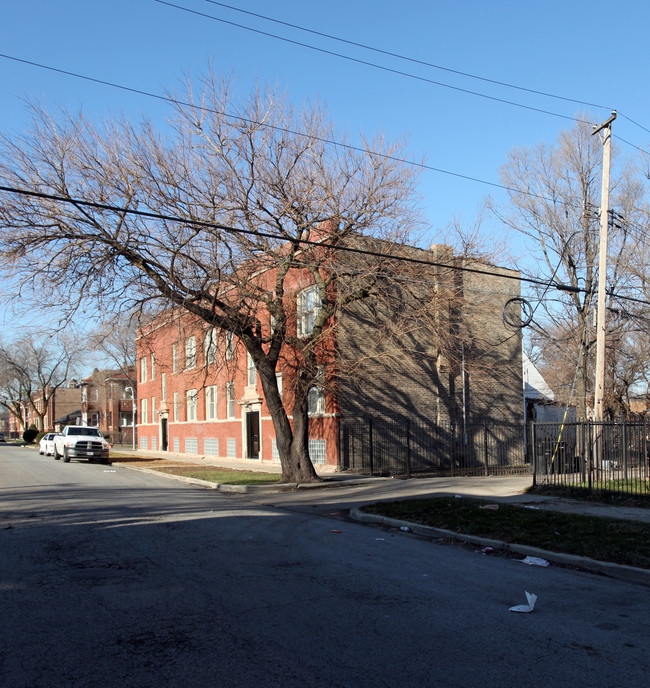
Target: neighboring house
72, 418
106, 402
539, 398
4, 422
448, 360
61, 401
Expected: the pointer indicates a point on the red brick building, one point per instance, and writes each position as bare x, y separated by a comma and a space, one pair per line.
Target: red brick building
61, 402
106, 402
199, 392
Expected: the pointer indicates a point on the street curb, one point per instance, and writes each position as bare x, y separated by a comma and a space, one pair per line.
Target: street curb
622, 572
243, 489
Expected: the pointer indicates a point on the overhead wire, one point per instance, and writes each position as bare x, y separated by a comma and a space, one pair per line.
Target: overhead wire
307, 242
368, 63
406, 58
399, 56
327, 141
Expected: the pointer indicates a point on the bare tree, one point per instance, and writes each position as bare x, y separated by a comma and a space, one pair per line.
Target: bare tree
115, 339
33, 368
554, 200
233, 190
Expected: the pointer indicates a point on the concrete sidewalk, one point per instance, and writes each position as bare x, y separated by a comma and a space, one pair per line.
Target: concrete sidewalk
509, 488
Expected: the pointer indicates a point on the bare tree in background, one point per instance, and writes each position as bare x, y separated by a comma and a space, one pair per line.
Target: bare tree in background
33, 368
262, 168
554, 200
114, 338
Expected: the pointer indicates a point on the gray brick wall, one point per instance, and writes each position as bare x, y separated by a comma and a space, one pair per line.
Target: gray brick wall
402, 353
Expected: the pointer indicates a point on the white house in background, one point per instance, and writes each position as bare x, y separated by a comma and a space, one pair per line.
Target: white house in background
539, 399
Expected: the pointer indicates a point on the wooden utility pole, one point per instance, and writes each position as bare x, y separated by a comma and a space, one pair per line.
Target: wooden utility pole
599, 391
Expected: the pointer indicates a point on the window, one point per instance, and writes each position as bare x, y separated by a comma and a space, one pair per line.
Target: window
153, 367
230, 399
230, 345
278, 380
190, 352
153, 410
316, 397
191, 403
94, 418
251, 371
175, 407
210, 347
143, 369
211, 402
163, 381
308, 307
174, 358
144, 416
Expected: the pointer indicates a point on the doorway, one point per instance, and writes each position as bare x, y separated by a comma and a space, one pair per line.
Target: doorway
253, 435
164, 443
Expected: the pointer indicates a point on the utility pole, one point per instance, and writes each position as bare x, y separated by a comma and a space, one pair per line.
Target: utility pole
599, 390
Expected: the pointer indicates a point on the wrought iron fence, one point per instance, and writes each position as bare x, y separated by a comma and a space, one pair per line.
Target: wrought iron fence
393, 447
609, 457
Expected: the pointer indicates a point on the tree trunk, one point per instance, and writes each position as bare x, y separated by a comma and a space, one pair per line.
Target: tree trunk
292, 443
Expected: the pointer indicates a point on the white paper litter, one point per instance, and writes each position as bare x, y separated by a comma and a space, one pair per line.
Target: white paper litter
534, 561
526, 607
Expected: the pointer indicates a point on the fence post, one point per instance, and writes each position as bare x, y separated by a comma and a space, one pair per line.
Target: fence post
371, 451
485, 447
624, 450
534, 452
408, 448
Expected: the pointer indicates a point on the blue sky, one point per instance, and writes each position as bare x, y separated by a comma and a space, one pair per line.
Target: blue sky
592, 51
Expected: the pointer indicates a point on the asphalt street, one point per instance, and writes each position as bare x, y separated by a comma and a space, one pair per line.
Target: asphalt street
112, 577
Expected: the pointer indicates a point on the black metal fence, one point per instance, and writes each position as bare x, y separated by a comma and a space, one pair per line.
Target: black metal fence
610, 457
383, 447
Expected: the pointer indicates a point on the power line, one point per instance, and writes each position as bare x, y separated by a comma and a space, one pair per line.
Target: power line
405, 57
332, 142
369, 64
407, 74
269, 235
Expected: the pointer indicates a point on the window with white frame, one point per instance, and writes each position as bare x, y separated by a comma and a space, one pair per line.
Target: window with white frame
175, 407
144, 415
230, 345
143, 369
316, 397
190, 352
230, 399
251, 371
153, 410
153, 367
211, 402
174, 358
308, 307
191, 404
210, 346
278, 380
163, 384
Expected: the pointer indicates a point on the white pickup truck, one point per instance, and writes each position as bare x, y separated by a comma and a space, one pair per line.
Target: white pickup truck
80, 442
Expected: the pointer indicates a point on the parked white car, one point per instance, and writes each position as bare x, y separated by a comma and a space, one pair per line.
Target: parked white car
46, 445
80, 442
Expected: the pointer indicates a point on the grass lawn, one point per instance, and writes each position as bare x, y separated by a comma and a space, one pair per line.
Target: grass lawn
215, 474
606, 539
225, 476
